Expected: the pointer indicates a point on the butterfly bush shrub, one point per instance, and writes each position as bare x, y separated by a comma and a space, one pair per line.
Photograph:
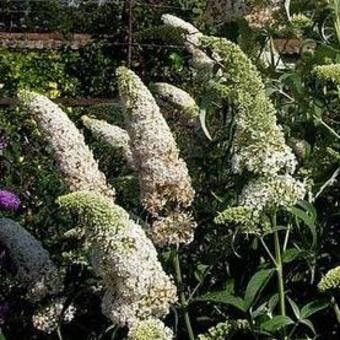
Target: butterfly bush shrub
232, 232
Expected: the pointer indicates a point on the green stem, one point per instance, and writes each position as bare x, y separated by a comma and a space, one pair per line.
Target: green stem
278, 260
323, 123
60, 337
182, 297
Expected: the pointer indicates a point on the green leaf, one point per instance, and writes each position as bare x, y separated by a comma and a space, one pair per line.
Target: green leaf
256, 285
272, 303
229, 286
276, 323
261, 310
225, 298
309, 324
200, 272
295, 308
302, 215
309, 208
313, 307
306, 219
290, 255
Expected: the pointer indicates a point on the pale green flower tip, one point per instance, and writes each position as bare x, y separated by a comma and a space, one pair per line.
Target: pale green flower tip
124, 77
300, 21
26, 96
328, 72
150, 329
226, 330
331, 280
80, 198
124, 74
90, 204
235, 214
121, 70
86, 120
244, 217
129, 84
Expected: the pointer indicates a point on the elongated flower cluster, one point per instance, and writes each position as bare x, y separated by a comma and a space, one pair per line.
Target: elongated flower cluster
9, 201
331, 280
116, 137
226, 330
164, 180
328, 72
173, 98
73, 157
150, 329
258, 146
137, 286
200, 60
33, 264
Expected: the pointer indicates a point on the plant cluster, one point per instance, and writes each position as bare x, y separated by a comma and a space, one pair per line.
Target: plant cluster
204, 205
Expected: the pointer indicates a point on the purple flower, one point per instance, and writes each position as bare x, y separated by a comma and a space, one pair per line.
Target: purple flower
9, 201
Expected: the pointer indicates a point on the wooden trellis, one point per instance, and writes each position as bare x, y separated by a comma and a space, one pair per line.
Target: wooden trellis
43, 40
